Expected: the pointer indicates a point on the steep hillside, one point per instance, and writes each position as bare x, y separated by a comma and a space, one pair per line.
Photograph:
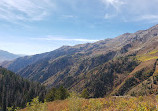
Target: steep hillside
16, 91
114, 66
143, 79
6, 56
101, 80
22, 62
126, 43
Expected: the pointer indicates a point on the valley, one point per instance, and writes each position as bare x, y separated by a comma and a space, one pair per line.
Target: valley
110, 64
78, 55
118, 69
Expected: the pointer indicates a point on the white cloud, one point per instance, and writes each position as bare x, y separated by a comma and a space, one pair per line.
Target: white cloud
113, 8
114, 3
25, 10
53, 38
148, 17
135, 10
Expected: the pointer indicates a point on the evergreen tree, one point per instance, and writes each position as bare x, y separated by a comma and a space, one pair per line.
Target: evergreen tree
57, 94
61, 93
50, 96
16, 91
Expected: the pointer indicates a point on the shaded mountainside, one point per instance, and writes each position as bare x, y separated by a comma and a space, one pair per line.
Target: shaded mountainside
6, 56
116, 66
22, 62
16, 91
103, 79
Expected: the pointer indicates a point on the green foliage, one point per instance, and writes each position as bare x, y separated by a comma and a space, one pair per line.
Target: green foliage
50, 96
94, 105
36, 105
57, 94
148, 56
16, 91
75, 102
153, 52
61, 93
13, 109
85, 94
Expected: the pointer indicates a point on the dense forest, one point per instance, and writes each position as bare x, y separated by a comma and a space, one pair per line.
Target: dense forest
16, 91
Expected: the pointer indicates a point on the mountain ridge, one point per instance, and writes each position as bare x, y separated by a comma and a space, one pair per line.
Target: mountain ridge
7, 56
76, 67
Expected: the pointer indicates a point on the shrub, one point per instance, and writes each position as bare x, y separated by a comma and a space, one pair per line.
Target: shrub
57, 94
35, 105
75, 103
61, 93
85, 94
50, 96
94, 105
13, 109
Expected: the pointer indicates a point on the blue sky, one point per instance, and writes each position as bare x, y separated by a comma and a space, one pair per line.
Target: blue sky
37, 26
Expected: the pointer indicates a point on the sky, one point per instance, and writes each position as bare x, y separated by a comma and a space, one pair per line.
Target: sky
36, 26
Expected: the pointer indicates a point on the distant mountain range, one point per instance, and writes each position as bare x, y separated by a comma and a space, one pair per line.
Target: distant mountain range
124, 65
6, 56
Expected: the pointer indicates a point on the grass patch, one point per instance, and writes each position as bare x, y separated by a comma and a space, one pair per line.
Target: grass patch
116, 104
148, 56
75, 103
144, 58
153, 52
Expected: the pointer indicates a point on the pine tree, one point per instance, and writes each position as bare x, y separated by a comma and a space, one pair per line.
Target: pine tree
50, 96
61, 93
57, 94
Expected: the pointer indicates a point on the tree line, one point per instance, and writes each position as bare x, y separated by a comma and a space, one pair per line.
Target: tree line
16, 91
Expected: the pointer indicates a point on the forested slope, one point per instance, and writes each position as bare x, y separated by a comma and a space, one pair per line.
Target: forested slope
16, 91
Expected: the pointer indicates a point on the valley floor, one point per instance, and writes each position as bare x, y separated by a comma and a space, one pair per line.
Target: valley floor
124, 103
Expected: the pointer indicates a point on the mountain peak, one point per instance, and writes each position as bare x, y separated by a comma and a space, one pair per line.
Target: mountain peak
153, 27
